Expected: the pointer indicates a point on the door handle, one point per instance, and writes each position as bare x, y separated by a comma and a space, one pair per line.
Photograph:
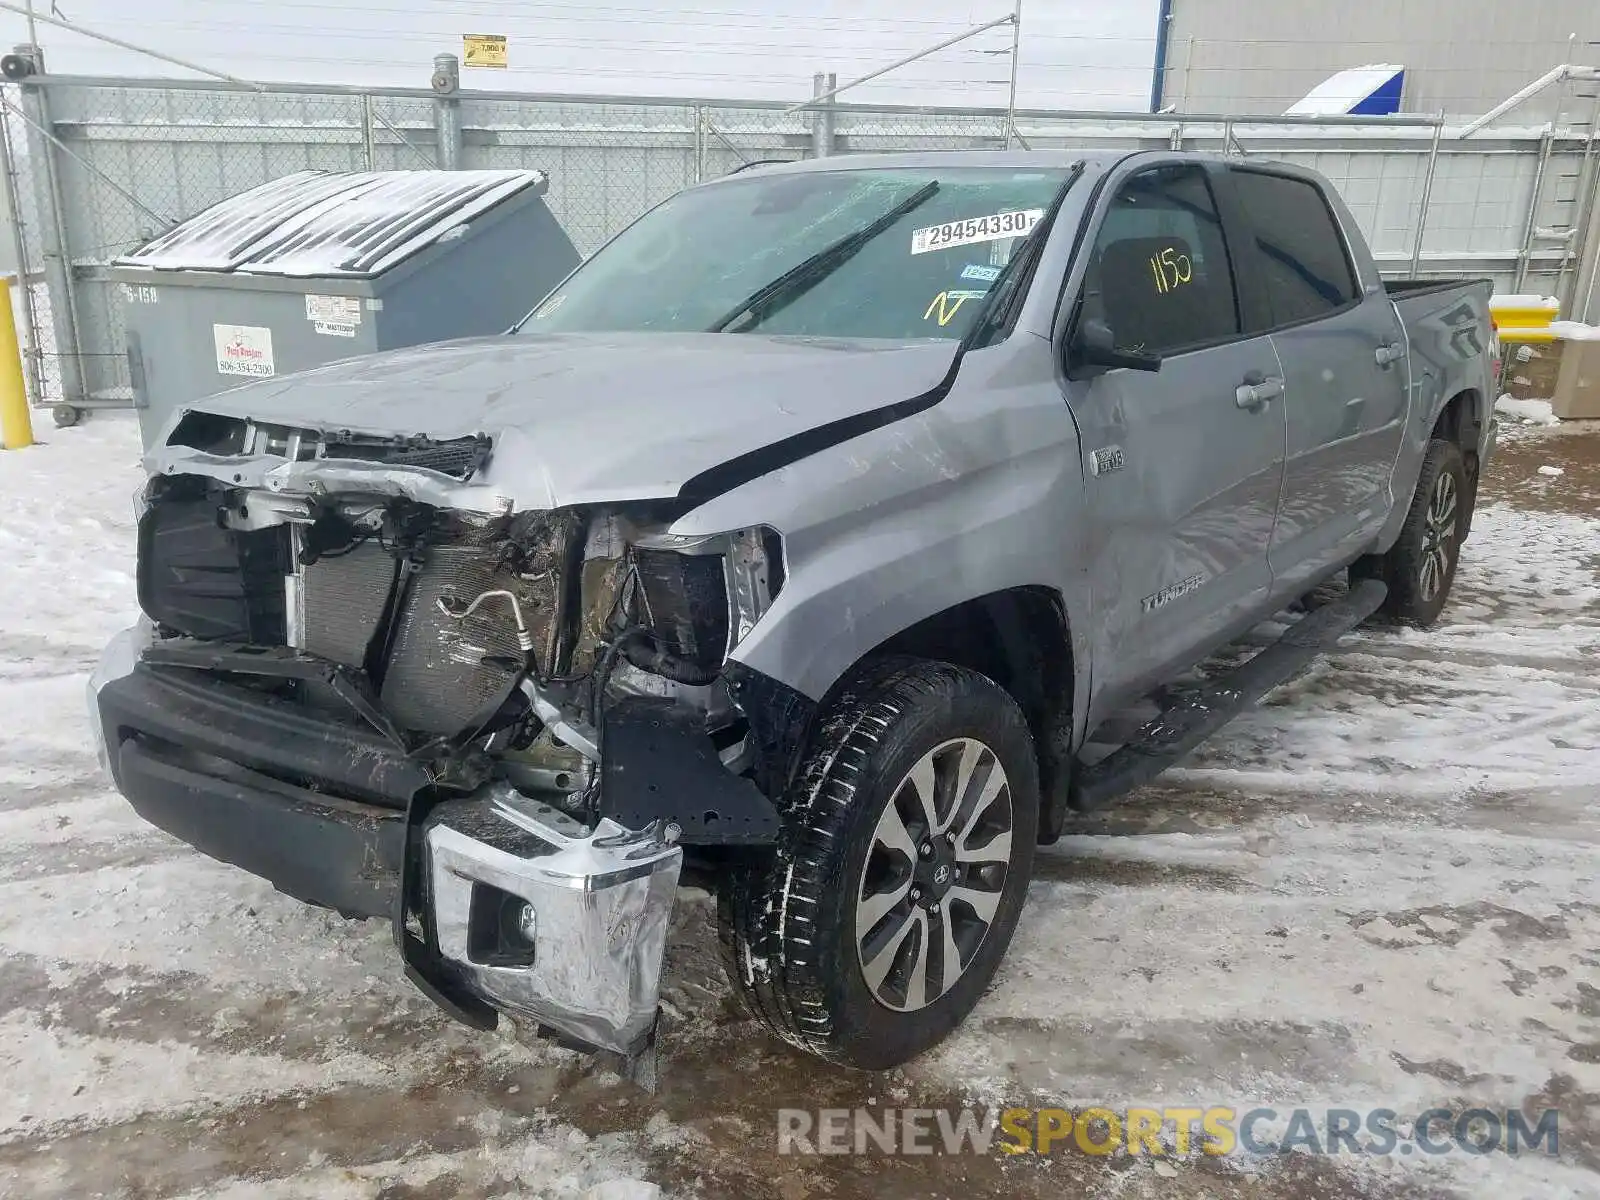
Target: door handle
1256, 395
1386, 354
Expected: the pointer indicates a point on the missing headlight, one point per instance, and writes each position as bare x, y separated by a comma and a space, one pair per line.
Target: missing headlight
703, 595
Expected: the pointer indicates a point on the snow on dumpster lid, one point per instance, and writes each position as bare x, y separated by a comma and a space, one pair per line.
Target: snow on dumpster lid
318, 224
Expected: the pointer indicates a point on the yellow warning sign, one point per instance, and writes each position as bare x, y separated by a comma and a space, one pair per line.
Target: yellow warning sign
483, 50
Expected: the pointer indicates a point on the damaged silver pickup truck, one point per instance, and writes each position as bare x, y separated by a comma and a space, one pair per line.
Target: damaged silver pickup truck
801, 543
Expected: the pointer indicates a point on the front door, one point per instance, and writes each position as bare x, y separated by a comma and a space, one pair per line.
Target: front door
1183, 465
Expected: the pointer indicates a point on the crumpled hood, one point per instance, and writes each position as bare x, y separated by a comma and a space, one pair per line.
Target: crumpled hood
584, 418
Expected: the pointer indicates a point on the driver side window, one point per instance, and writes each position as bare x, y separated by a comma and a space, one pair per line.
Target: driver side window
1160, 275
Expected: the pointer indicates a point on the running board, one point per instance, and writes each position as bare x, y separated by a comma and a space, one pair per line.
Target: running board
1179, 729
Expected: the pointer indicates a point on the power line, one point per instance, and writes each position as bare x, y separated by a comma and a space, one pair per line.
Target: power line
433, 36
922, 84
956, 64
609, 15
671, 15
787, 50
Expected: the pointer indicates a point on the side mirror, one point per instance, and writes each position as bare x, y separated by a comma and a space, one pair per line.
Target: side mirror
1095, 346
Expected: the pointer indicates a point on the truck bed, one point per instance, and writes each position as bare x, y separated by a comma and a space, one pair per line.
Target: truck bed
1452, 305
1407, 288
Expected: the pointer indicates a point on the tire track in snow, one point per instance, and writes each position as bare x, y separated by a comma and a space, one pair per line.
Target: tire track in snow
185, 1008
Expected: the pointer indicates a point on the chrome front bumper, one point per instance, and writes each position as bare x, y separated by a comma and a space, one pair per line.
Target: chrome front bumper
549, 920
527, 910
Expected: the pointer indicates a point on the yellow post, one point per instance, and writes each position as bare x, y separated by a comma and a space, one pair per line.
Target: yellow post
16, 425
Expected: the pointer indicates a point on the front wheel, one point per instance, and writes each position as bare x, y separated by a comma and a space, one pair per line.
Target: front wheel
873, 930
1420, 567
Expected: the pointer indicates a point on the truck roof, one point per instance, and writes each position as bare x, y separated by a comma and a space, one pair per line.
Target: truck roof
1095, 160
941, 158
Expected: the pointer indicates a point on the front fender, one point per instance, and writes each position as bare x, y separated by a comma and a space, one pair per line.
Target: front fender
849, 591
981, 492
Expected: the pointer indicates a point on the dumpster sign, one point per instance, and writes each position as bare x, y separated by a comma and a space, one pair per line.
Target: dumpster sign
244, 350
333, 316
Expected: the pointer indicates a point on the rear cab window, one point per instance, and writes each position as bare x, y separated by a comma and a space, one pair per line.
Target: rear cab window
1304, 263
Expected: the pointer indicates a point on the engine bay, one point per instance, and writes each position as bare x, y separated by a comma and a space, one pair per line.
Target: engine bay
487, 646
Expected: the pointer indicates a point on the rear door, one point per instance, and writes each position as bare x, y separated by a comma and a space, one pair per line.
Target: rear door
1182, 467
1342, 349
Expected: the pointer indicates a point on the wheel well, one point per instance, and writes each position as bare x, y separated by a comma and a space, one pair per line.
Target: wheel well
1460, 423
1020, 638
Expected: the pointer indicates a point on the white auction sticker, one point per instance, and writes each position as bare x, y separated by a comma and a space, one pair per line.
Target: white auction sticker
975, 229
243, 350
335, 310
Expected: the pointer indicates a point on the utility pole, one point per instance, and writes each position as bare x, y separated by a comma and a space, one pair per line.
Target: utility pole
1008, 19
822, 120
85, 31
1016, 49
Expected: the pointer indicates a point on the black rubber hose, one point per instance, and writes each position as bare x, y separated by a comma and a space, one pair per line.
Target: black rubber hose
640, 648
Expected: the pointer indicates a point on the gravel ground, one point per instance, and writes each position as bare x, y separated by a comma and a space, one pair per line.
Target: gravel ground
1378, 889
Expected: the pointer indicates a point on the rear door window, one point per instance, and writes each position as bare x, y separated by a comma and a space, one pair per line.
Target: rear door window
1302, 254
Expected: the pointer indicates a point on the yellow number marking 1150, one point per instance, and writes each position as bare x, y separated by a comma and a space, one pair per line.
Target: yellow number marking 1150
1171, 269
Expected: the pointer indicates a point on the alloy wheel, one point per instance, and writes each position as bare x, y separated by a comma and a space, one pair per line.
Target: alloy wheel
1438, 537
934, 874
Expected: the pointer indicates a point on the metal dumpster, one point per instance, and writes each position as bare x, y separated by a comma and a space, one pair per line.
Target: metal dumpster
320, 266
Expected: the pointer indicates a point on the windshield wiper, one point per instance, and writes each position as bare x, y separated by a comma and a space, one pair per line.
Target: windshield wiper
802, 277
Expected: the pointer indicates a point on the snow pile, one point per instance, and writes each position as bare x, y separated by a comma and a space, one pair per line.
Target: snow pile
66, 534
1400, 712
1503, 301
1527, 412
1575, 331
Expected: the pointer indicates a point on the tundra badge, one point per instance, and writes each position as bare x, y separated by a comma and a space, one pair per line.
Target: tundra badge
1172, 592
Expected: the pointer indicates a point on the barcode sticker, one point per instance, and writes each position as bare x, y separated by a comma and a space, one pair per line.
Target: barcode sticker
975, 229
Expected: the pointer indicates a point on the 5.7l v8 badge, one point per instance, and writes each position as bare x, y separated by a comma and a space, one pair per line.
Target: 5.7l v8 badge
1106, 460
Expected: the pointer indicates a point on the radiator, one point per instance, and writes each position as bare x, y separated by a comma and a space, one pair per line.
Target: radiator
441, 673
437, 680
341, 602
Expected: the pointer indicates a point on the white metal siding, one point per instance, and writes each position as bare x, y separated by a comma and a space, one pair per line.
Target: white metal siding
1461, 56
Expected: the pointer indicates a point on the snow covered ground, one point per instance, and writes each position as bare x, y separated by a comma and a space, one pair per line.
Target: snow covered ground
1382, 888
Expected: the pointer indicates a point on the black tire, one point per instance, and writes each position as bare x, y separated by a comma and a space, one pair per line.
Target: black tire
1420, 567
788, 923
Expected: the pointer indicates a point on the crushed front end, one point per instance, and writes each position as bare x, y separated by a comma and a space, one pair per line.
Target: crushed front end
367, 679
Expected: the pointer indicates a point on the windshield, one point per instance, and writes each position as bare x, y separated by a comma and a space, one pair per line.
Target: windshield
701, 258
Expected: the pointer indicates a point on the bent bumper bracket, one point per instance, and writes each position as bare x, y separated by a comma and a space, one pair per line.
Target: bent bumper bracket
509, 904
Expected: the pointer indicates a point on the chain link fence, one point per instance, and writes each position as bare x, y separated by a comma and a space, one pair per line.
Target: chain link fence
97, 167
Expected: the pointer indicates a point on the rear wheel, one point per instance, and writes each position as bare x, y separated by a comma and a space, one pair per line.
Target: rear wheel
1420, 567
874, 930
